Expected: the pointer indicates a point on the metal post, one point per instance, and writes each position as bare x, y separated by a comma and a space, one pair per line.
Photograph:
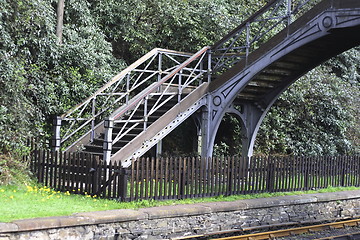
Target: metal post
107, 145
93, 112
56, 140
159, 149
159, 67
209, 67
201, 70
145, 112
127, 88
289, 13
247, 41
159, 71
180, 87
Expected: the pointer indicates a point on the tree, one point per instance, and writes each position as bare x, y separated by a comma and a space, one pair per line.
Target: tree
40, 78
318, 115
60, 20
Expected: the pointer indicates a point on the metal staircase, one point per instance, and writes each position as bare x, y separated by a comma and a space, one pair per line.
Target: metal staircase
249, 67
137, 107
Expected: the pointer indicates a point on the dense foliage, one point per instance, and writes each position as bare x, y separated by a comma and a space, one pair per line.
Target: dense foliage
318, 115
40, 78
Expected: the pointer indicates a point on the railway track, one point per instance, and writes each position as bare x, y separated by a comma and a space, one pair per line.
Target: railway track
262, 233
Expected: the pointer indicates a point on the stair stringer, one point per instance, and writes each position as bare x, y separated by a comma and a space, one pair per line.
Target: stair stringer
162, 126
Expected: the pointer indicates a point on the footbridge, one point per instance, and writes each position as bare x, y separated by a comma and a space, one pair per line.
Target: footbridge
244, 73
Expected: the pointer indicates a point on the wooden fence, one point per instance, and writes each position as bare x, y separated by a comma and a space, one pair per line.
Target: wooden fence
179, 178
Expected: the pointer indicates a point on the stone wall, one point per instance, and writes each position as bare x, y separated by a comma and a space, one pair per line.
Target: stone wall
182, 220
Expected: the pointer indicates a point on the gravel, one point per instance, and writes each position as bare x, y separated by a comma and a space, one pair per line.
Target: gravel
322, 234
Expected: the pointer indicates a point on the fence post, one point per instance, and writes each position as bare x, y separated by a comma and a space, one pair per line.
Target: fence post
270, 182
56, 139
123, 181
230, 177
306, 173
94, 175
343, 166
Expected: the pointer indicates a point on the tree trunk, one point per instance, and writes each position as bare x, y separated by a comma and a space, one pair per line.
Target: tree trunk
60, 20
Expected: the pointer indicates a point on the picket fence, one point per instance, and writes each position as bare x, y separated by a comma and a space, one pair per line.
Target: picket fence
180, 178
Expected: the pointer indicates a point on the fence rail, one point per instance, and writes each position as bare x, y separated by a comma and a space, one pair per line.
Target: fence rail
179, 178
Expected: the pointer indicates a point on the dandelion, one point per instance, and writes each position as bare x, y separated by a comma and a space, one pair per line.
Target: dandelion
95, 200
94, 196
105, 205
14, 191
2, 190
11, 197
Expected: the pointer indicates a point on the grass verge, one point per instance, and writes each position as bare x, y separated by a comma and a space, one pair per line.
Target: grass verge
34, 201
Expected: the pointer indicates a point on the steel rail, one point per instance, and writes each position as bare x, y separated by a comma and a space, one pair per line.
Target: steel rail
275, 233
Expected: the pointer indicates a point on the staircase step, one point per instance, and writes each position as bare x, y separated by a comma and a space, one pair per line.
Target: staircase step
99, 149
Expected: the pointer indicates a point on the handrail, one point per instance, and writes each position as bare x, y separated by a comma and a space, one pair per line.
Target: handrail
121, 75
274, 17
243, 24
156, 85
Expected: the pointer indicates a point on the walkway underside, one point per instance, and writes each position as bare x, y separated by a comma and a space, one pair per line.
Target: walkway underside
244, 73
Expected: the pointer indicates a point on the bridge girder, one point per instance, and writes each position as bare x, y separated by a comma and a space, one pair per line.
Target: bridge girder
330, 32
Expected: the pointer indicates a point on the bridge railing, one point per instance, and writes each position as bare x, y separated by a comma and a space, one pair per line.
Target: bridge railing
274, 17
85, 118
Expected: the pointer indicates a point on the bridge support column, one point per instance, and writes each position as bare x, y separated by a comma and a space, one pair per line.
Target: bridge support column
206, 147
107, 145
251, 116
56, 139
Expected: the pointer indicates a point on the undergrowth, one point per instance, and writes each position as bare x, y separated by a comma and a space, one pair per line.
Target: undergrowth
21, 197
14, 171
32, 201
